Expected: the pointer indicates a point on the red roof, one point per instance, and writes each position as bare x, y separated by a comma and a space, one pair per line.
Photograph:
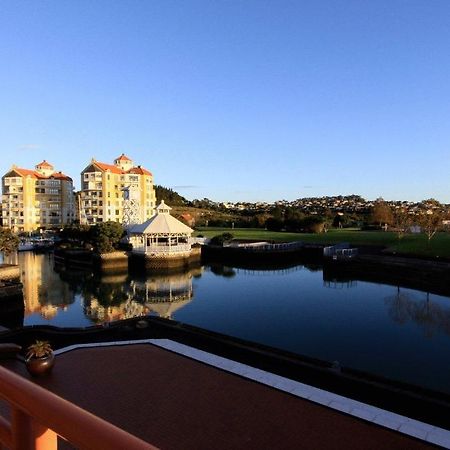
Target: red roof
60, 176
34, 174
25, 172
122, 157
139, 170
45, 164
114, 169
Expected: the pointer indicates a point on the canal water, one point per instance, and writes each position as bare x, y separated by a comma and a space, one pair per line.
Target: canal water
387, 330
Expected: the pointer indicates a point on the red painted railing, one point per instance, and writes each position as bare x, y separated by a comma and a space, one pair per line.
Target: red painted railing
39, 416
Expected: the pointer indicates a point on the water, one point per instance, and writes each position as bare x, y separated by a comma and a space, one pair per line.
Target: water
396, 332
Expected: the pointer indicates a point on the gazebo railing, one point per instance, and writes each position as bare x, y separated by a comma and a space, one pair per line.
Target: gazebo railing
166, 249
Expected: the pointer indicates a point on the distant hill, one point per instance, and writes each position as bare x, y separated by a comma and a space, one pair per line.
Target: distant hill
169, 196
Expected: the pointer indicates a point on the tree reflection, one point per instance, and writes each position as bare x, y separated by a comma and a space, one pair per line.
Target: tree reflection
430, 316
224, 271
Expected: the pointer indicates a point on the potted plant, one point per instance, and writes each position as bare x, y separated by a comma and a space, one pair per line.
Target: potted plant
39, 358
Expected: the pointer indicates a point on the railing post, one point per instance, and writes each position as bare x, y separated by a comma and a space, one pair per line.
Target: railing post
27, 434
21, 430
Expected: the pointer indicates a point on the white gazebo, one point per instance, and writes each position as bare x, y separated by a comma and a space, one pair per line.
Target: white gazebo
161, 235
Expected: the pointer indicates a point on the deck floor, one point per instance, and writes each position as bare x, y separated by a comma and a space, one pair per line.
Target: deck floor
174, 402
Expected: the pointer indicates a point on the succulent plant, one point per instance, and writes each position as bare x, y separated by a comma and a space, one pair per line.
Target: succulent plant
39, 349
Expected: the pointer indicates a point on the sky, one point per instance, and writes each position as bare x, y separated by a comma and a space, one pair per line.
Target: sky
234, 100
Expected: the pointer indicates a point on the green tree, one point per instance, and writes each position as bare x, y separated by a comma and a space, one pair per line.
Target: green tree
105, 236
431, 222
9, 242
402, 220
76, 232
274, 224
169, 196
220, 239
382, 214
314, 224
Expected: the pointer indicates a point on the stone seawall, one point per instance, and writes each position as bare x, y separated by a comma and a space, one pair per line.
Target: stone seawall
9, 272
114, 261
164, 263
121, 261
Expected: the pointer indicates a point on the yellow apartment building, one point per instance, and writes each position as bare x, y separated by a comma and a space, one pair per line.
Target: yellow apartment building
37, 199
116, 192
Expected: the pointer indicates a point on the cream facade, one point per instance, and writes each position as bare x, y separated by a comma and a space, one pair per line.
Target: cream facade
37, 199
116, 192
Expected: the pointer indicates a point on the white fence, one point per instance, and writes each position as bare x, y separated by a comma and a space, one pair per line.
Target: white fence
164, 249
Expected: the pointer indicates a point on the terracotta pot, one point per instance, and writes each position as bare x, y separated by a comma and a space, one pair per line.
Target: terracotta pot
40, 366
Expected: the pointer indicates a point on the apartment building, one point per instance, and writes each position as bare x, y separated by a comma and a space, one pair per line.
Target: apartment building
36, 199
111, 191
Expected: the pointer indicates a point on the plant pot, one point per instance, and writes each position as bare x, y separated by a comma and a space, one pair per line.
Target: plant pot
40, 366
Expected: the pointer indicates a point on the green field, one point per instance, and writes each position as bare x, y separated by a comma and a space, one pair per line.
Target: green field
410, 244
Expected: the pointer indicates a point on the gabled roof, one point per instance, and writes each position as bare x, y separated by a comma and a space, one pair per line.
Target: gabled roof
139, 171
45, 164
122, 157
114, 169
60, 176
25, 172
32, 173
162, 223
111, 167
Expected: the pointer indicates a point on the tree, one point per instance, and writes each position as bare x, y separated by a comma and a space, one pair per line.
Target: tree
169, 196
430, 221
274, 224
105, 236
9, 242
339, 220
75, 232
382, 213
314, 224
402, 221
221, 238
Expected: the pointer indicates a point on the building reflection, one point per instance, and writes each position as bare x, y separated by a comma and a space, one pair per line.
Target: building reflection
119, 297
43, 291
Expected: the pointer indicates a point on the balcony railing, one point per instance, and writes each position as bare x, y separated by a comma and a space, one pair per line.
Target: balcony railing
39, 416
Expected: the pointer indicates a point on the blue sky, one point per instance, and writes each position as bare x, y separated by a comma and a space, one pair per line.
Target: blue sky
234, 99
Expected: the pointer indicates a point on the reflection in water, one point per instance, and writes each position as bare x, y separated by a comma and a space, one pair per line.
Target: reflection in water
118, 297
430, 316
48, 290
338, 284
42, 288
402, 336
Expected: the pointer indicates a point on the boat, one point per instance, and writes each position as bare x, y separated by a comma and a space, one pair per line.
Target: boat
43, 244
38, 244
25, 245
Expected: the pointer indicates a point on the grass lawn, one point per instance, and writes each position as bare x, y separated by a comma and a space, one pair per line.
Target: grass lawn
412, 244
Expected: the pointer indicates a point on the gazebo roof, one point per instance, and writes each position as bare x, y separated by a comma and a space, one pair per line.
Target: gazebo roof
162, 223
